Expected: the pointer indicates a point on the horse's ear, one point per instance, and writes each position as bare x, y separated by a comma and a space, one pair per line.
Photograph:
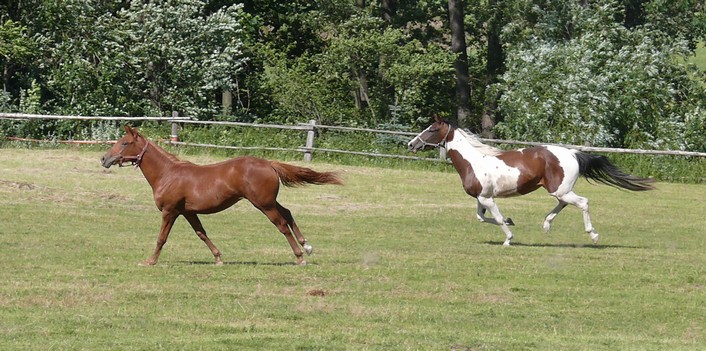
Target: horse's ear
131, 131
437, 119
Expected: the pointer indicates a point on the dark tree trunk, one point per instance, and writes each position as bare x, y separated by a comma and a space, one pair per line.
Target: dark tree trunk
634, 13
389, 9
495, 61
361, 93
458, 46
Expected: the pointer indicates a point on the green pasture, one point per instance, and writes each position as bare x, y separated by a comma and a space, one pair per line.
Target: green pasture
399, 263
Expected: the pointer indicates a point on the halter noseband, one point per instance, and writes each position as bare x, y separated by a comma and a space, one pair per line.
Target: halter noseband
440, 143
136, 160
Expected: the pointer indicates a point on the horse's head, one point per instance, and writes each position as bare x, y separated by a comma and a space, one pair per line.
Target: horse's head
129, 148
435, 135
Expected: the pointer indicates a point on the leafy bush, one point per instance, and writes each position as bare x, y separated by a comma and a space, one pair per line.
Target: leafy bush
146, 59
606, 86
390, 74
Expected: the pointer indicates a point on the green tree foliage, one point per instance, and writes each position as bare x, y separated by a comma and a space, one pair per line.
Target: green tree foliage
17, 48
145, 58
175, 56
600, 83
604, 72
391, 73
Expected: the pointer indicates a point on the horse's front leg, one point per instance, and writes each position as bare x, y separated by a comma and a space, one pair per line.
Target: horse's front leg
198, 229
168, 218
489, 203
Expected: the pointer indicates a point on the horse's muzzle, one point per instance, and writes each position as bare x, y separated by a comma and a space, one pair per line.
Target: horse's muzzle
109, 161
414, 146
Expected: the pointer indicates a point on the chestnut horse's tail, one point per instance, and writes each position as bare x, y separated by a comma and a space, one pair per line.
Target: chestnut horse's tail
291, 175
599, 168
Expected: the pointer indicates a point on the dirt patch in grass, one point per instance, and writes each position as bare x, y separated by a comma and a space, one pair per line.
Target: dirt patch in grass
18, 190
17, 185
316, 292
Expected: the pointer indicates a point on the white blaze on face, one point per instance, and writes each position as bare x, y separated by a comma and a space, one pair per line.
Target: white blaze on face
417, 139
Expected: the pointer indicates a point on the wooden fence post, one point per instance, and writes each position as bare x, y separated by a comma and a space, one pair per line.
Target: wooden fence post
310, 134
175, 127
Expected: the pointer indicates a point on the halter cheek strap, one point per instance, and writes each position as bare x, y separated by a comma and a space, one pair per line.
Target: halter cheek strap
136, 160
439, 144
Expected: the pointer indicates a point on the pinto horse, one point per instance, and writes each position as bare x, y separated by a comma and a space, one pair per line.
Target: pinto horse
183, 188
488, 172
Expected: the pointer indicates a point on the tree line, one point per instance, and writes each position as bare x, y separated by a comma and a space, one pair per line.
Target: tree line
603, 73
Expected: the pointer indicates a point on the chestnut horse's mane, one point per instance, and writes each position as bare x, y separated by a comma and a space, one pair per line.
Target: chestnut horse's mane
167, 154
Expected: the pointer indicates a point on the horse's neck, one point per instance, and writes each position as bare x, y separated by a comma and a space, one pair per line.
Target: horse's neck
464, 147
155, 163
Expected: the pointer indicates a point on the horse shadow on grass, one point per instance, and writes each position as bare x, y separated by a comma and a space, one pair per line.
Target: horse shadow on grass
243, 263
573, 246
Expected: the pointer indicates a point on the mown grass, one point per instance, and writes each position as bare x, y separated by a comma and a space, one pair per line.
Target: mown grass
399, 264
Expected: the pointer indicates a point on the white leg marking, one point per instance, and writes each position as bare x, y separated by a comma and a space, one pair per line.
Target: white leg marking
550, 217
489, 203
481, 215
594, 237
582, 203
308, 248
483, 219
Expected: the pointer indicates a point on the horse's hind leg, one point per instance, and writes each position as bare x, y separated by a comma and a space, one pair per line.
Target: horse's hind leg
276, 217
287, 214
198, 229
489, 203
550, 217
582, 203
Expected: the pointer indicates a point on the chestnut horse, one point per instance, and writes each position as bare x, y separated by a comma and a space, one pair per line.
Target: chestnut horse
183, 188
488, 172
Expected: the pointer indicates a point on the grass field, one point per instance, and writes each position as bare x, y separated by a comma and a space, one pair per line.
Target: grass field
398, 265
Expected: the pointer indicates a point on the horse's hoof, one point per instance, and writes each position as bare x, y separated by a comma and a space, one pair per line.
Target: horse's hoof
508, 221
308, 248
547, 227
506, 243
147, 263
594, 237
301, 263
219, 263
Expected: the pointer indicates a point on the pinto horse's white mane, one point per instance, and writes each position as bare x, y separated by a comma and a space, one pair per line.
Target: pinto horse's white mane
478, 145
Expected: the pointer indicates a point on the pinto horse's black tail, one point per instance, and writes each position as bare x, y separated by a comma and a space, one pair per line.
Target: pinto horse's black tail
599, 168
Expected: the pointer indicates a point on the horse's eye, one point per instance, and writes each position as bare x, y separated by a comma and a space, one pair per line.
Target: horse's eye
125, 143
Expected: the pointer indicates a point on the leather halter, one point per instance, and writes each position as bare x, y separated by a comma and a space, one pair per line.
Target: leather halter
136, 160
440, 143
